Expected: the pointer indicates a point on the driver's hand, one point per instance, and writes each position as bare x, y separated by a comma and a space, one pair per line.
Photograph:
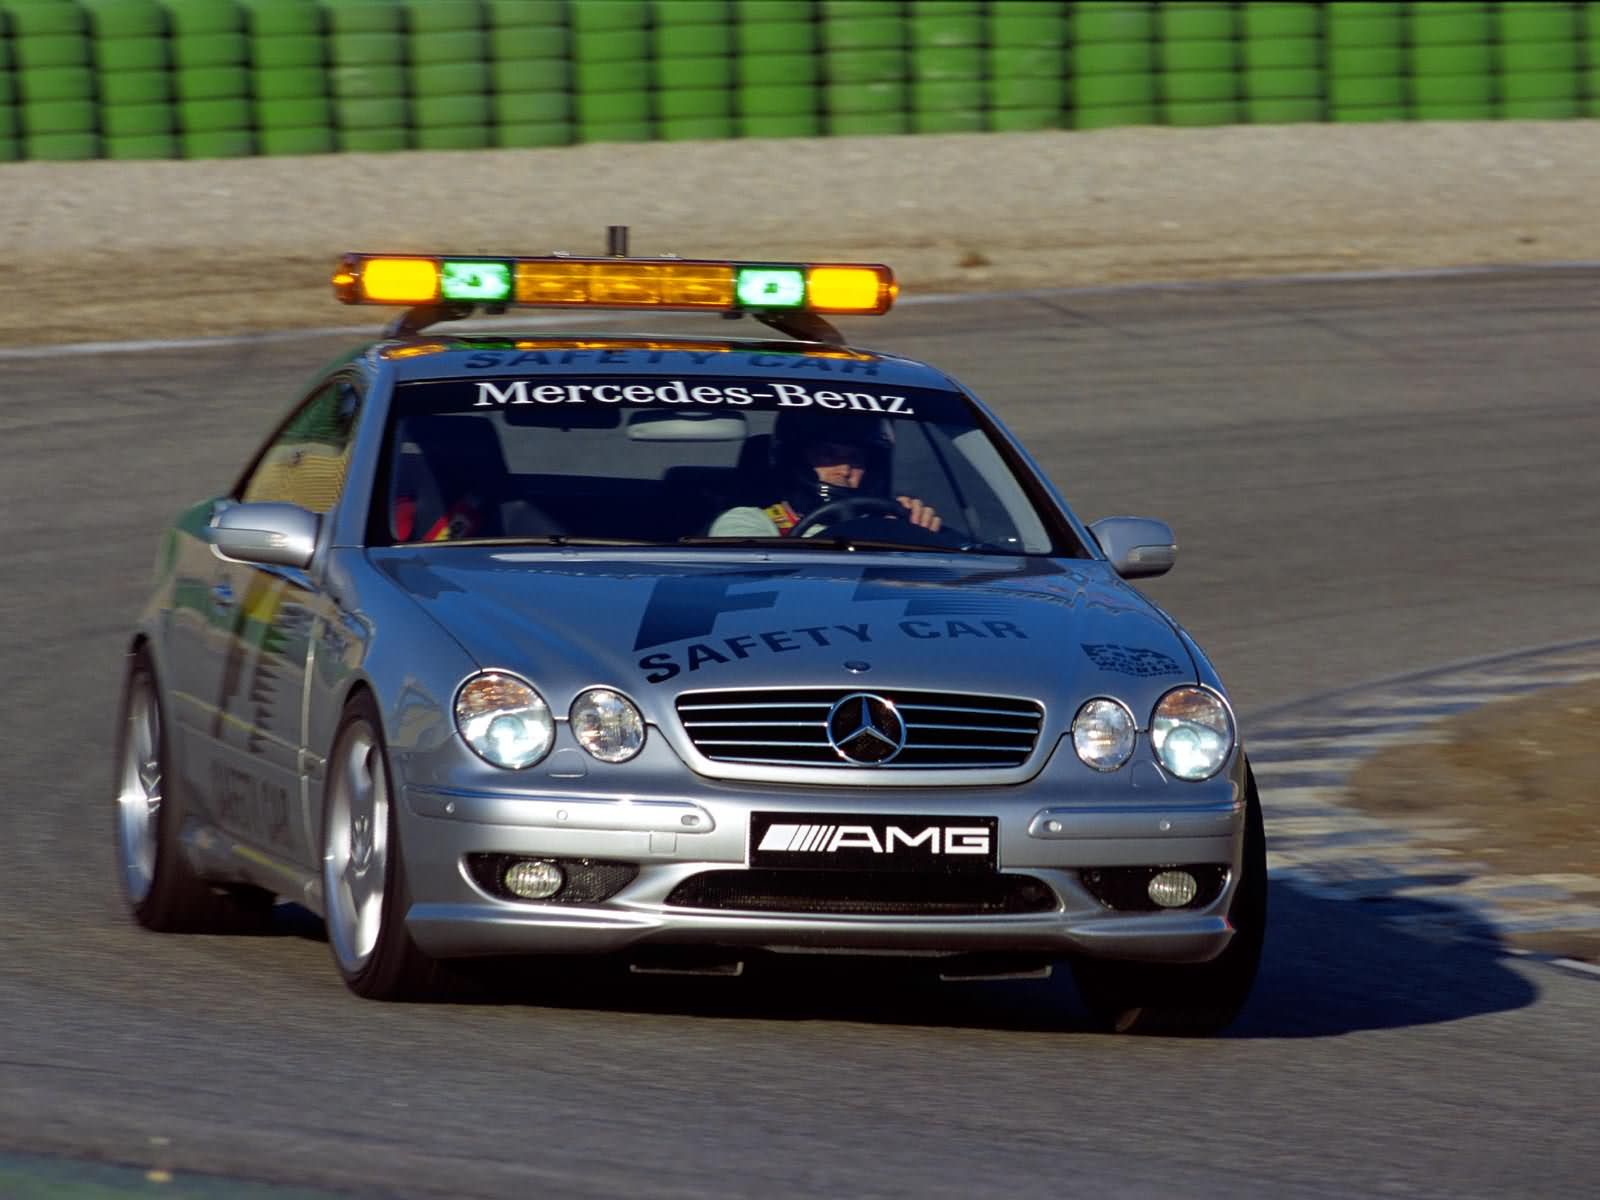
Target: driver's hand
921, 514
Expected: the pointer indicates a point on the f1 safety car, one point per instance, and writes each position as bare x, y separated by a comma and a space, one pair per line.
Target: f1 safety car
511, 644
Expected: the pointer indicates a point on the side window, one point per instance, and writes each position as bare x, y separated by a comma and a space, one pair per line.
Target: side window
307, 461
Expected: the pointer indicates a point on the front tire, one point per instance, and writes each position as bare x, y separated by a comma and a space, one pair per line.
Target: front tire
364, 887
163, 892
1190, 999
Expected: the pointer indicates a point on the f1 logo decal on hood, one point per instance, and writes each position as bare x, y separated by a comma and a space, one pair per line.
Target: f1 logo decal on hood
687, 606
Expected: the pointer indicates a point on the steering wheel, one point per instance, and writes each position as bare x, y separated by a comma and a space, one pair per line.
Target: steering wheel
836, 512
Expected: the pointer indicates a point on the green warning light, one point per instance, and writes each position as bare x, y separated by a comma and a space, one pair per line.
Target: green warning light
480, 281
770, 287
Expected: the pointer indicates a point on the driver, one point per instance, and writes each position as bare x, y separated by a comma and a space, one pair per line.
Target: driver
822, 458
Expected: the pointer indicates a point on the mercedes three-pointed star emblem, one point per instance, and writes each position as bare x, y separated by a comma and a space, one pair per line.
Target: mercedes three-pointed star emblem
865, 729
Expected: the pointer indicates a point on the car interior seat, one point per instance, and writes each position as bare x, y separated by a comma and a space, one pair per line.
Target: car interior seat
451, 479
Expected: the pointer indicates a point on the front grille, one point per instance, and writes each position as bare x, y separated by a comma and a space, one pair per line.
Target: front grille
872, 893
789, 727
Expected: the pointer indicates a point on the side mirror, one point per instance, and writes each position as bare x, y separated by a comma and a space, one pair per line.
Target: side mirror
268, 534
1138, 547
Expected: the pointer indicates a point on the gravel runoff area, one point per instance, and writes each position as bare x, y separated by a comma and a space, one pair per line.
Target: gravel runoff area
110, 251
130, 250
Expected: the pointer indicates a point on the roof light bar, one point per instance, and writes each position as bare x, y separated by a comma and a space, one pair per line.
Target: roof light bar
649, 283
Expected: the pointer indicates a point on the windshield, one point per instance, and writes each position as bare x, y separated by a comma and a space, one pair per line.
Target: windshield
710, 460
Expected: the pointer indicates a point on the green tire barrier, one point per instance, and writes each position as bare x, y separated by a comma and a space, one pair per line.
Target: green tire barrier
1206, 112
284, 18
1283, 53
212, 83
364, 16
692, 41
453, 46
1284, 112
215, 116
1038, 62
449, 79
427, 18
138, 120
778, 101
375, 141
1029, 30
41, 18
210, 50
694, 129
132, 79
133, 54
125, 18
134, 88
1286, 84
366, 82
947, 62
534, 108
529, 41
690, 105
531, 75
315, 139
367, 47
691, 12
775, 37
388, 112
61, 147
154, 145
64, 50
1265, 22
694, 72
548, 133
776, 70
233, 143
281, 52
1011, 120
288, 83
55, 83
804, 125
190, 17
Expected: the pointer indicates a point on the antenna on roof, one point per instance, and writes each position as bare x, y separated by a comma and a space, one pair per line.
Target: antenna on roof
617, 241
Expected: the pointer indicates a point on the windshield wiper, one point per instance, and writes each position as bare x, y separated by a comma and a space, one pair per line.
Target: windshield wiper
547, 539
810, 543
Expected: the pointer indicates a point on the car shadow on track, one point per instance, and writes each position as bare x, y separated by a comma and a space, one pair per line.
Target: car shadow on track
1335, 966
1331, 967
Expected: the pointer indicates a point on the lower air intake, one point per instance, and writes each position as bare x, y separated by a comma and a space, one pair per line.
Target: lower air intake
889, 894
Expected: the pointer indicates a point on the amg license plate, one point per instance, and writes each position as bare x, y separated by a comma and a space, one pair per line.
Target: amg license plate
852, 841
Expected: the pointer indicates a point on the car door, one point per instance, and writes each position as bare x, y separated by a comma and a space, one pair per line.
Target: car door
257, 768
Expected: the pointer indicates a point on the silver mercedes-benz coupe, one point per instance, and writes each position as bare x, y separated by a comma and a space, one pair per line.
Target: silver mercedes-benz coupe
509, 645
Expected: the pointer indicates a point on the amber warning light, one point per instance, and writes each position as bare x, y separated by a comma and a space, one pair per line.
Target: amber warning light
650, 283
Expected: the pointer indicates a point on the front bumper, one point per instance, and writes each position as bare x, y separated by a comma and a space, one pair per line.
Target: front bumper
1048, 831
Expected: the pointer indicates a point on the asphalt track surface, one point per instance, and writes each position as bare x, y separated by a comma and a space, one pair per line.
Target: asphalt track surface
1366, 478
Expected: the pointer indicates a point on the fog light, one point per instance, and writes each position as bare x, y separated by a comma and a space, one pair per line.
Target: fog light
1173, 889
537, 879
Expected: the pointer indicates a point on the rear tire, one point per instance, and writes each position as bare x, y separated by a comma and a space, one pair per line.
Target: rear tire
364, 887
163, 892
1187, 999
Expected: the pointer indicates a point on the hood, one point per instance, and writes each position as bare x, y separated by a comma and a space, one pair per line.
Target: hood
1054, 630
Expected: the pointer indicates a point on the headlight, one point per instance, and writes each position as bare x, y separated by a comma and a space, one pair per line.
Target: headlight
1192, 732
504, 720
1102, 734
607, 725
